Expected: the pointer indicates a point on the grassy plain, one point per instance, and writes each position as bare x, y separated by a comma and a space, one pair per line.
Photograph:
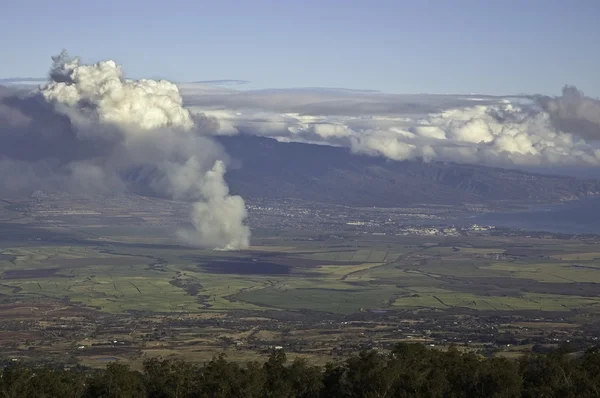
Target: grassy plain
167, 300
339, 276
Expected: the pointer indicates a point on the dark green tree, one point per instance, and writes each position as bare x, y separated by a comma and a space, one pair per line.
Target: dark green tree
170, 379
117, 381
277, 381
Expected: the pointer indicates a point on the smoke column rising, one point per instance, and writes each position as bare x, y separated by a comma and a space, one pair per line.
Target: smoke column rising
118, 127
573, 112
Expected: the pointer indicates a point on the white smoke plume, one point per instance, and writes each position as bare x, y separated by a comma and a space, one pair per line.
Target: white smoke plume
507, 132
216, 219
89, 126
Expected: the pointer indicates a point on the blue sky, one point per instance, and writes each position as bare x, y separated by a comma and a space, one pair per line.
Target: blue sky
443, 46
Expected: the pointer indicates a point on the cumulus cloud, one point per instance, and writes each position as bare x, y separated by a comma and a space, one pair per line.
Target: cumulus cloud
503, 131
90, 129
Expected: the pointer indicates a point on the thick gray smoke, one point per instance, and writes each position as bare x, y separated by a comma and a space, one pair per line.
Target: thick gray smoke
573, 112
88, 127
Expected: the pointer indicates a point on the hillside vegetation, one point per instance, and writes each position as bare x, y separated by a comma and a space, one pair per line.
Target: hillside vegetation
263, 167
407, 371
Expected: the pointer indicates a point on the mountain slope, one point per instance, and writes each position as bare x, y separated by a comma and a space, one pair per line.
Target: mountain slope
263, 167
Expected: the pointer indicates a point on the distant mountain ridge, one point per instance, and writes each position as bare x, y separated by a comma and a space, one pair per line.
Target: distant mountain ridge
264, 167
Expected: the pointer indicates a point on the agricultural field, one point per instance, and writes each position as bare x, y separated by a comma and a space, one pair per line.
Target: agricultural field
82, 296
392, 273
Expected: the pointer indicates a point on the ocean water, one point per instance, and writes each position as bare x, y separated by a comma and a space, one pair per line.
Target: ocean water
579, 217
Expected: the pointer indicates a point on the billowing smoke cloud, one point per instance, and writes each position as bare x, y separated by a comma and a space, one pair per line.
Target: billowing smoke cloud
216, 219
89, 129
508, 132
573, 112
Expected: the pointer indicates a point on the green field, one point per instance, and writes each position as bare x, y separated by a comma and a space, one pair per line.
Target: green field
280, 273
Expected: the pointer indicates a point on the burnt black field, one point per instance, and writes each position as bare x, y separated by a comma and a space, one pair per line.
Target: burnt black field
32, 274
6, 257
247, 267
263, 263
21, 235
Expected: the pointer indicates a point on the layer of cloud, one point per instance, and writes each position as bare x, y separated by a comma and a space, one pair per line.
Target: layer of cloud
24, 80
502, 131
223, 82
91, 130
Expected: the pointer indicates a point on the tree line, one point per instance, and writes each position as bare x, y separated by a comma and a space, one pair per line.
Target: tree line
409, 370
